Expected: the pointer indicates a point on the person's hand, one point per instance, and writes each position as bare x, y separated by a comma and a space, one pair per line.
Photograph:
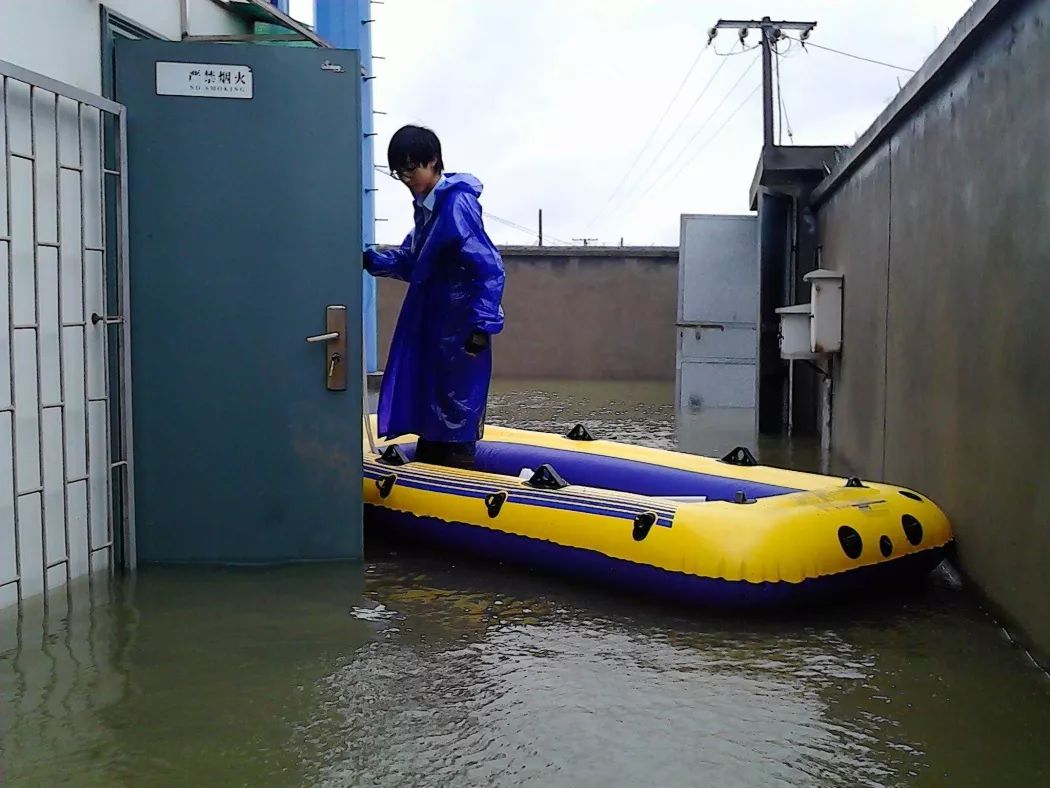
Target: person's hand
476, 342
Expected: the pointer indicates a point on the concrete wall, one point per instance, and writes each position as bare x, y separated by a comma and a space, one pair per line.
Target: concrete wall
860, 249
939, 221
577, 313
62, 38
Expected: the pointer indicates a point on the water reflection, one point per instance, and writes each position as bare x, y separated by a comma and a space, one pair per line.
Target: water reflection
178, 676
58, 667
419, 670
519, 679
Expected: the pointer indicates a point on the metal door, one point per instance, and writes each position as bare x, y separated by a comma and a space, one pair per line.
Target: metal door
246, 220
65, 450
717, 340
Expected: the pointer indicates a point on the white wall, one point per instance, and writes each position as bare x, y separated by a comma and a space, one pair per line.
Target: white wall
62, 38
209, 19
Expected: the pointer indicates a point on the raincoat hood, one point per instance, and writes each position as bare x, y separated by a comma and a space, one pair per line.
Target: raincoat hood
459, 182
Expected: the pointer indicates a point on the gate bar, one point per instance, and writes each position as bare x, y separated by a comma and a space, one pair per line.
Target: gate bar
55, 86
11, 335
126, 428
61, 405
36, 340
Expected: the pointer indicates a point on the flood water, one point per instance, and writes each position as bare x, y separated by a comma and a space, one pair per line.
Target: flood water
422, 670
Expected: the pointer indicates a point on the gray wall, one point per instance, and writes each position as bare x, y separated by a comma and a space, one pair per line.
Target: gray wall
577, 313
940, 221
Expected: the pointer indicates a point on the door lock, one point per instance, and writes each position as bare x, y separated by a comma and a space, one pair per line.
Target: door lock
334, 340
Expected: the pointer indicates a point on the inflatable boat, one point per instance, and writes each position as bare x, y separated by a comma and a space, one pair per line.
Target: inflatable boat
705, 532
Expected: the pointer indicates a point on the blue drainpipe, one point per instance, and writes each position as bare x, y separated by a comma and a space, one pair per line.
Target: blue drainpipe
346, 24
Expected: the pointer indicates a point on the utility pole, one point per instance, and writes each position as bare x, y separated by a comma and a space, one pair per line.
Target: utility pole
541, 227
771, 32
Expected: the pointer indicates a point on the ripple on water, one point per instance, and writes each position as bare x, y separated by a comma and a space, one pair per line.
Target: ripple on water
416, 670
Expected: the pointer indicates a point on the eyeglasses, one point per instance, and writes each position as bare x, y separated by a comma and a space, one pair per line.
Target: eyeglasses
403, 173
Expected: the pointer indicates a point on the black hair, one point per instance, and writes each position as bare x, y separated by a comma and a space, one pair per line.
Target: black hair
414, 145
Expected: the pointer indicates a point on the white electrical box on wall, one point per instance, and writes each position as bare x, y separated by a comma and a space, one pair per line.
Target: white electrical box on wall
826, 304
795, 331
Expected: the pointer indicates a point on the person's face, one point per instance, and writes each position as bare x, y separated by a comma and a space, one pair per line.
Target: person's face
419, 179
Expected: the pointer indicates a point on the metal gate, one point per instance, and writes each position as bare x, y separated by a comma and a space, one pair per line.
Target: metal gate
717, 320
66, 504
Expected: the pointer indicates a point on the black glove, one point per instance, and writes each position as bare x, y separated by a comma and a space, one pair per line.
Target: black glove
476, 342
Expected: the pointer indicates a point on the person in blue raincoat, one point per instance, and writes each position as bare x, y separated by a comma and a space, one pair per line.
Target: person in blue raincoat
436, 381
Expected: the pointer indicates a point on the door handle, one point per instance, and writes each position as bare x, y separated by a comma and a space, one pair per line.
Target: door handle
719, 326
334, 340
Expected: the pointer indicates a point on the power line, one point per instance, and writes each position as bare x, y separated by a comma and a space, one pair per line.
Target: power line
780, 100
703, 91
770, 31
704, 125
713, 137
500, 219
718, 131
692, 106
783, 112
787, 120
855, 57
793, 50
780, 94
522, 228
513, 225
710, 139
731, 53
652, 134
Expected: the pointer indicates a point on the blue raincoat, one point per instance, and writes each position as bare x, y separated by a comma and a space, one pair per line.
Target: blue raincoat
432, 387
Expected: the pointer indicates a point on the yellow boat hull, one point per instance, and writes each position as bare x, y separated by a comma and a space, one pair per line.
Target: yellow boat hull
784, 536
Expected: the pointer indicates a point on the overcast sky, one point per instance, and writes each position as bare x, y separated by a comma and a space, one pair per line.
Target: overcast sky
550, 102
